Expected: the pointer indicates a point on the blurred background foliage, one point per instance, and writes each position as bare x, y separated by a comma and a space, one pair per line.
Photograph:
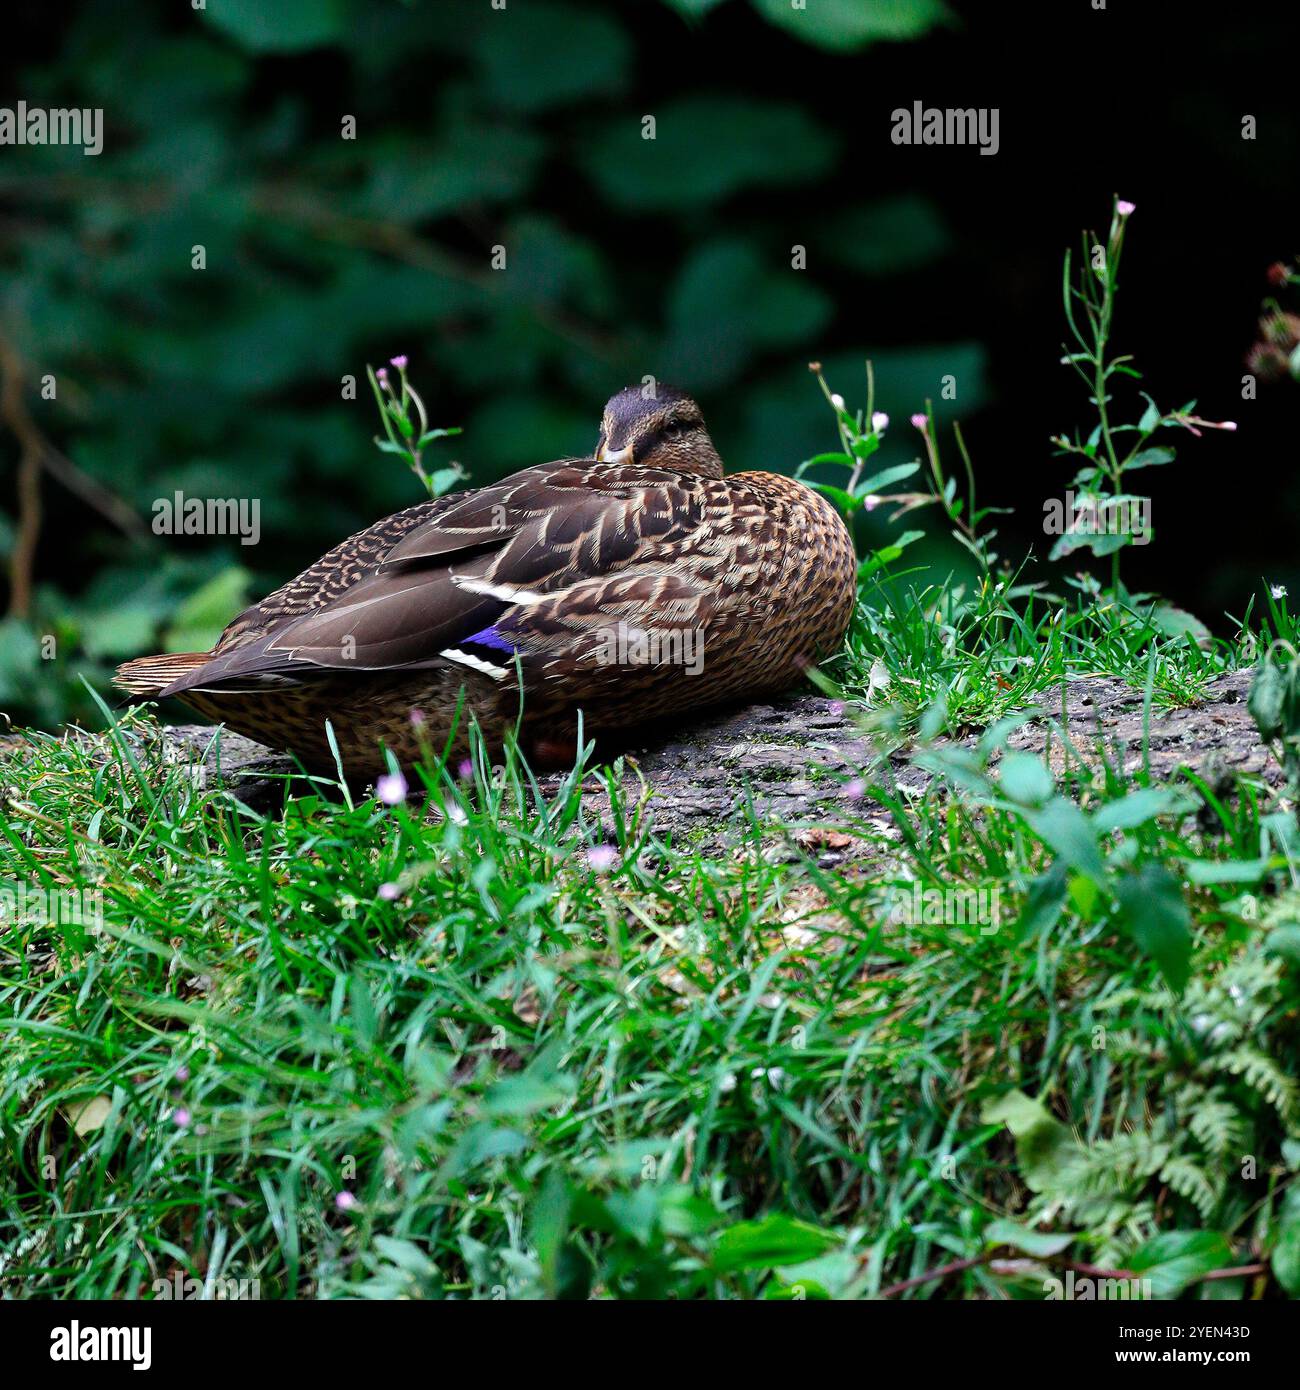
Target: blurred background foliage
521, 127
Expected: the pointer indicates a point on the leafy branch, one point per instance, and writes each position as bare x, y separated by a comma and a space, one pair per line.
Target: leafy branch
1089, 292
861, 434
409, 435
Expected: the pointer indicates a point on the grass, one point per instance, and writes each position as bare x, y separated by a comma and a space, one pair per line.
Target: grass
443, 1049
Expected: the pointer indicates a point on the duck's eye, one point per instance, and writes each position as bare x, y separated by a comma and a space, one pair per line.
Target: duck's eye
673, 432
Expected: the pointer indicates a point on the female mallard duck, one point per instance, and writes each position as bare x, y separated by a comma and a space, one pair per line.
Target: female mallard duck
632, 585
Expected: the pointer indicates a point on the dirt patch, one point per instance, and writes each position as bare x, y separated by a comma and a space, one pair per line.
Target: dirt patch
797, 760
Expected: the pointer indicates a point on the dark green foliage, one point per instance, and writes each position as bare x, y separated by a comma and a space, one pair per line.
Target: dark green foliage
475, 128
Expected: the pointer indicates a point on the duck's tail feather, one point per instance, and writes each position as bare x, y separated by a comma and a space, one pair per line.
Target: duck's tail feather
146, 676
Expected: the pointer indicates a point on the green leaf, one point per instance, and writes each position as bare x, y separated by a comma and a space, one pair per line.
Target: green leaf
1151, 416
1286, 1246
1153, 913
1150, 458
1203, 872
1071, 541
1062, 826
726, 305
1175, 622
1174, 1259
1284, 941
844, 460
288, 26
845, 501
1003, 1232
1044, 903
548, 1226
775, 1240
705, 149
1139, 807
1044, 1146
527, 1093
852, 24
365, 1021
202, 618
1267, 699
877, 481
888, 236
693, 8
537, 56
1025, 779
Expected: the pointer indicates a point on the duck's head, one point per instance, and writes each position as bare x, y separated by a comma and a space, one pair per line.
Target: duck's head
657, 427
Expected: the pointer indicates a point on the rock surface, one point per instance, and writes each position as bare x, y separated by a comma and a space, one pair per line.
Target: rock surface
796, 757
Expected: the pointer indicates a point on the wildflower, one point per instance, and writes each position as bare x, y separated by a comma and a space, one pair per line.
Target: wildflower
381, 376
853, 790
391, 789
602, 857
880, 422
181, 1117
389, 891
417, 718
920, 420
837, 401
836, 707
466, 769
1124, 208
400, 362
871, 501
344, 1201
1278, 591
182, 1072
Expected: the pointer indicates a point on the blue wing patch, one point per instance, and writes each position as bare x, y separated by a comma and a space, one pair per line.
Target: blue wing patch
490, 637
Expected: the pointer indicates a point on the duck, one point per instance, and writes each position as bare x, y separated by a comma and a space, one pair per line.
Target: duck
598, 593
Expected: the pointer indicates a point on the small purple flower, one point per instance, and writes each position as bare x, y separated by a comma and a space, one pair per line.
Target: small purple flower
871, 501
181, 1117
391, 789
417, 718
400, 362
836, 707
1125, 208
920, 421
880, 422
344, 1201
602, 857
182, 1072
381, 376
389, 892
465, 769
853, 790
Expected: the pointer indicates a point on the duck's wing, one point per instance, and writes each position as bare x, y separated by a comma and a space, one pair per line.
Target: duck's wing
412, 593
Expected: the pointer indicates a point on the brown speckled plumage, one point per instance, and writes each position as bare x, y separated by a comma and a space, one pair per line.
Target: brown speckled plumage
598, 576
